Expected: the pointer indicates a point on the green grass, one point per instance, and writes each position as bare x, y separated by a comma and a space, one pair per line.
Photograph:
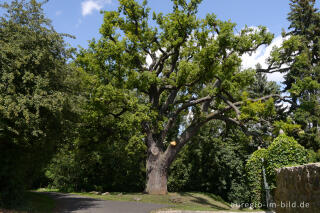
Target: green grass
186, 201
34, 203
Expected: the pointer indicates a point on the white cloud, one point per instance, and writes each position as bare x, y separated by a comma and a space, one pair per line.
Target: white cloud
88, 6
260, 56
149, 59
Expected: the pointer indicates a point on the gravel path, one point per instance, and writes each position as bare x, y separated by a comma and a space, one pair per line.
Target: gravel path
77, 204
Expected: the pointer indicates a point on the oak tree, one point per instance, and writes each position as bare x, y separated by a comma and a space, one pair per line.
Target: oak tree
183, 71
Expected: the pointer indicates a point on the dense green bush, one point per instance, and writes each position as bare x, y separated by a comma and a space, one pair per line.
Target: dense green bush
12, 174
314, 156
104, 166
107, 153
283, 151
254, 176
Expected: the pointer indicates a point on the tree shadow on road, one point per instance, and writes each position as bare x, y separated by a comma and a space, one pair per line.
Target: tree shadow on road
65, 203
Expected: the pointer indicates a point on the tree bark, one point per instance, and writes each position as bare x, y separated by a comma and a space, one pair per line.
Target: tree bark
157, 173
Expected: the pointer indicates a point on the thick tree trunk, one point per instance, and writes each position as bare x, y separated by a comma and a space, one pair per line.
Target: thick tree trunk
157, 174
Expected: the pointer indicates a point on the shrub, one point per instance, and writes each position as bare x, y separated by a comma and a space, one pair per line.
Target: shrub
111, 164
255, 179
314, 156
283, 151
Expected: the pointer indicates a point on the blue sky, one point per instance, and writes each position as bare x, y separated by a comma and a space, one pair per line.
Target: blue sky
82, 18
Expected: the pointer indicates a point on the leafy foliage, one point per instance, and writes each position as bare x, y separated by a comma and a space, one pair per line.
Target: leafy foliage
254, 176
33, 95
300, 54
213, 162
108, 150
142, 85
195, 67
283, 151
113, 163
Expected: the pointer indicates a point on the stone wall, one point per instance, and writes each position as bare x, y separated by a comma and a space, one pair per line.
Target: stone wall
298, 189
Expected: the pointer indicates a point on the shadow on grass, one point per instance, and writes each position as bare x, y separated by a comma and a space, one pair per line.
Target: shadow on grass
32, 202
204, 201
67, 203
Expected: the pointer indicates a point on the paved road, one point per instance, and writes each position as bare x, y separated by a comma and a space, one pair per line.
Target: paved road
77, 204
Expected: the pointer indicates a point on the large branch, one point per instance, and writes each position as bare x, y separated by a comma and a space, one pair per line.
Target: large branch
192, 103
273, 69
173, 117
192, 130
204, 100
210, 116
260, 99
236, 109
170, 100
241, 125
160, 63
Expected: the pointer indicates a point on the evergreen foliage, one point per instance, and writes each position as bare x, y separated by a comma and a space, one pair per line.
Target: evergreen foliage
298, 58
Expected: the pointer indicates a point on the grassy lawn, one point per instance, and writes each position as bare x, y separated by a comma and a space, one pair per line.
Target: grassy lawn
182, 201
34, 203
177, 201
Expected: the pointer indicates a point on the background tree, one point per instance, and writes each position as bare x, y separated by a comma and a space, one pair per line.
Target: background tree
33, 95
214, 162
263, 127
298, 58
107, 152
194, 70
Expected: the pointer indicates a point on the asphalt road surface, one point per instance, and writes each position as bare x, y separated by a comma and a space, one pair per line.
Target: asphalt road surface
77, 204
